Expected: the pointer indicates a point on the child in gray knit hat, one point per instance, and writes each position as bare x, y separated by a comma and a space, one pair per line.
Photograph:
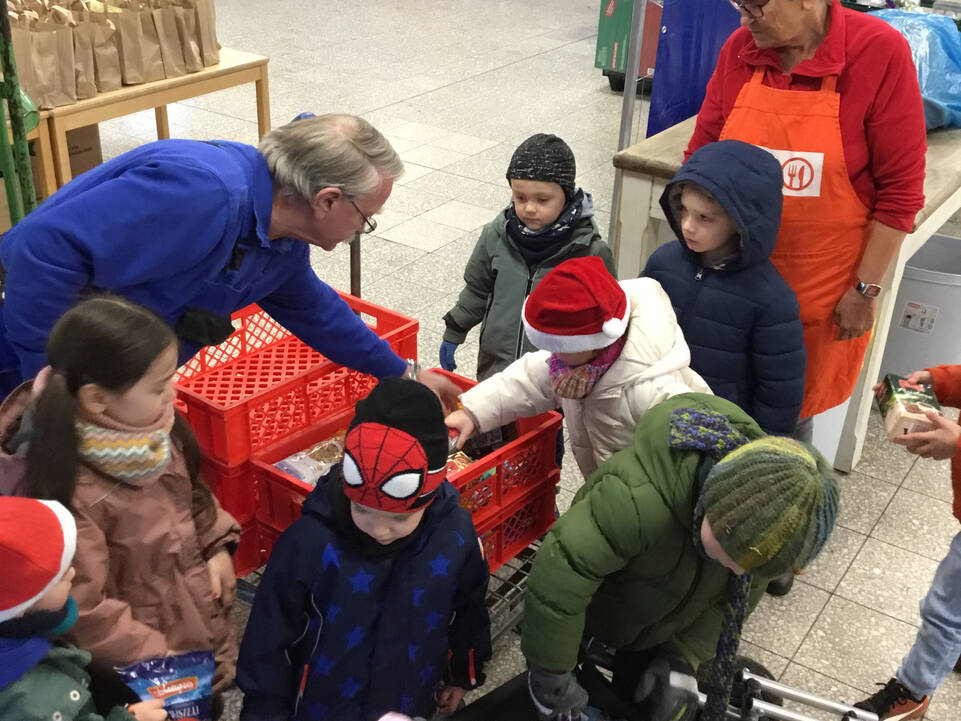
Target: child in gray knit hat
549, 220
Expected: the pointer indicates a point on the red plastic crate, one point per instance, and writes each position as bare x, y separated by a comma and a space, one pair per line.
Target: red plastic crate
521, 469
262, 384
514, 528
250, 554
235, 487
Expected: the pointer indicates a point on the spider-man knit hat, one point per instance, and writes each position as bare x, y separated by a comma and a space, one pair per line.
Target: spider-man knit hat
396, 447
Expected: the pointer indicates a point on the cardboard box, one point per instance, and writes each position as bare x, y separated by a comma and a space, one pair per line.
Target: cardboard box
83, 144
903, 405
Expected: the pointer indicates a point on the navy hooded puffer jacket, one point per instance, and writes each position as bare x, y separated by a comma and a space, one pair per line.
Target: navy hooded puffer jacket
740, 320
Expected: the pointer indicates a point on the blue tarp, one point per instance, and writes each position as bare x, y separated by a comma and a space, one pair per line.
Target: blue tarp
936, 49
692, 33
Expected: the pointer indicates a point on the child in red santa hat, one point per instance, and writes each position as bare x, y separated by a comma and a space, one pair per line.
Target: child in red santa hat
42, 677
609, 351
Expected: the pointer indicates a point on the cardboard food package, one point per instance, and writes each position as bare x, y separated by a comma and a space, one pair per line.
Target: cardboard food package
903, 405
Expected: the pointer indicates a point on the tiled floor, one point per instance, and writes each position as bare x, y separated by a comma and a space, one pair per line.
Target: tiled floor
456, 85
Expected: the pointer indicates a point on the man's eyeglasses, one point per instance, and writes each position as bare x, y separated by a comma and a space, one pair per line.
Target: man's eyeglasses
370, 224
754, 8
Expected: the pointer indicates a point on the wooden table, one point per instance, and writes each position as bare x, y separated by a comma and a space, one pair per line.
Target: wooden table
46, 181
641, 226
235, 68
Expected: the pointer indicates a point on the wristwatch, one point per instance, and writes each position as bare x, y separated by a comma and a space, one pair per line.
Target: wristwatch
868, 290
413, 368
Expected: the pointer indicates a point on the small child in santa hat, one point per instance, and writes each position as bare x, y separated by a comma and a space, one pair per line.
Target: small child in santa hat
374, 600
42, 677
609, 351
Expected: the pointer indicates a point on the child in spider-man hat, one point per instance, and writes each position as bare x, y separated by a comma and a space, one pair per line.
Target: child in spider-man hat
374, 600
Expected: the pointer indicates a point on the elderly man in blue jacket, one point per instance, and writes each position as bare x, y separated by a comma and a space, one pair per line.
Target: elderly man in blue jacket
197, 230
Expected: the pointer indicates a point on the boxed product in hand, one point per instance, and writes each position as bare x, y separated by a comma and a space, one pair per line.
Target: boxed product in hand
903, 405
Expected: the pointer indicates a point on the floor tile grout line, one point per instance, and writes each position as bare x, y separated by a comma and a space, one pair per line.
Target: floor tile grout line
485, 72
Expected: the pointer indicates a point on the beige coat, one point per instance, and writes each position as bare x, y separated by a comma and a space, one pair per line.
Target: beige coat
142, 584
653, 366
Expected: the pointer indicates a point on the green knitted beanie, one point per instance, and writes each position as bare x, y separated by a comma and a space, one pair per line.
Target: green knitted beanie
771, 504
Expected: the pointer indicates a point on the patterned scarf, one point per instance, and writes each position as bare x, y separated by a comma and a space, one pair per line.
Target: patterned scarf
536, 246
134, 455
578, 381
712, 433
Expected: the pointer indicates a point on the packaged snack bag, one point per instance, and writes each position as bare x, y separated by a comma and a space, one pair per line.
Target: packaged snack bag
903, 405
183, 682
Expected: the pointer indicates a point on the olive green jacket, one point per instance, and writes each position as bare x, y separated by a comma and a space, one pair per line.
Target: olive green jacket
621, 565
498, 281
56, 688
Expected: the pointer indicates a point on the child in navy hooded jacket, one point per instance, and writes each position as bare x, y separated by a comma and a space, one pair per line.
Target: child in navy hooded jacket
374, 600
739, 316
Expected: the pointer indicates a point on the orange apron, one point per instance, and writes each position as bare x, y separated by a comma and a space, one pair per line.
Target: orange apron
824, 225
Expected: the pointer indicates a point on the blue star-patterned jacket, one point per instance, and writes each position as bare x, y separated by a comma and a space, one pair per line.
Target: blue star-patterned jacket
335, 636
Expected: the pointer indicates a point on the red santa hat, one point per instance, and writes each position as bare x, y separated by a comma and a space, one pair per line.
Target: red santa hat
37, 543
578, 306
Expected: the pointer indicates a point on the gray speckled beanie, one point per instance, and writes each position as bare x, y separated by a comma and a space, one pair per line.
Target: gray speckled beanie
546, 158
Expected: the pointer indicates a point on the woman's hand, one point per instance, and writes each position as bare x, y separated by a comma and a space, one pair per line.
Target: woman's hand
853, 315
222, 577
148, 710
461, 422
923, 377
448, 699
940, 443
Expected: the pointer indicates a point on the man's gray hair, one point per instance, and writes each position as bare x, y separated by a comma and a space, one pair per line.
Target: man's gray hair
329, 151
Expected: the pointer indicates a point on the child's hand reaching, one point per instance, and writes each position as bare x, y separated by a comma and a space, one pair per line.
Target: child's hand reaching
940, 443
222, 577
461, 422
148, 710
448, 699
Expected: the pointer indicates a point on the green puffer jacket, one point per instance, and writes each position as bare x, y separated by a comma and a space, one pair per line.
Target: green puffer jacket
621, 564
497, 283
56, 688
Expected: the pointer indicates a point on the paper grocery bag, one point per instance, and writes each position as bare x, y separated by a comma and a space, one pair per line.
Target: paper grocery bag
207, 32
85, 66
26, 70
152, 58
186, 18
130, 46
51, 55
106, 54
171, 51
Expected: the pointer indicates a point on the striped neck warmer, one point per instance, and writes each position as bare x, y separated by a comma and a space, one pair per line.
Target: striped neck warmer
133, 455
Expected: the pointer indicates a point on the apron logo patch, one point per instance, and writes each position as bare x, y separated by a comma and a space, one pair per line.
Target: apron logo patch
802, 172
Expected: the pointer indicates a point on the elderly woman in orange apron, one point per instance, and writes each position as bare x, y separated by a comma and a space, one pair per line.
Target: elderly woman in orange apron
833, 94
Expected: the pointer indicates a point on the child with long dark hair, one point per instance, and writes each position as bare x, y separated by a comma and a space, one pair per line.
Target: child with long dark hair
154, 574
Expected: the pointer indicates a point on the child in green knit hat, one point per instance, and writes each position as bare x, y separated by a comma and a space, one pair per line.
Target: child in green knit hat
665, 551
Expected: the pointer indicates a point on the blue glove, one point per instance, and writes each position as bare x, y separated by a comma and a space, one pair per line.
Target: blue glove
447, 355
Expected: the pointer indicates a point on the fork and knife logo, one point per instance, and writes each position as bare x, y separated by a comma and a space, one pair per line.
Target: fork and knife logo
802, 172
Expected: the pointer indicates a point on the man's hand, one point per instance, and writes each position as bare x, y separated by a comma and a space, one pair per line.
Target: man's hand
222, 577
461, 422
448, 699
148, 710
444, 388
853, 315
940, 443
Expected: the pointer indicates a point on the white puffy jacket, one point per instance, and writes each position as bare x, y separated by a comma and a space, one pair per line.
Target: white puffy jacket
653, 365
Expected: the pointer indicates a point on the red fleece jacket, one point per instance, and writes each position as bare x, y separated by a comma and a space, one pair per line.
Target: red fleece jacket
947, 386
882, 116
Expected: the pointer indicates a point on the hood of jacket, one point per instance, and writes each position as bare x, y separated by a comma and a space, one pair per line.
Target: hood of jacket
746, 181
655, 344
